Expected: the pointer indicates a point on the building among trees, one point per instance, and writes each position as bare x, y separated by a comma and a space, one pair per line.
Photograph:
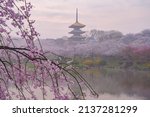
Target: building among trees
77, 32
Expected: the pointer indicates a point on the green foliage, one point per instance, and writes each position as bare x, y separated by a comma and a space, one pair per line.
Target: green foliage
112, 62
93, 62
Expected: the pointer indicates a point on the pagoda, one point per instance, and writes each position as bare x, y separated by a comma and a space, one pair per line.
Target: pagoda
77, 32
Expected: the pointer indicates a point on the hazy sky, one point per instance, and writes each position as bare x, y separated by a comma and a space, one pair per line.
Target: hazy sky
54, 16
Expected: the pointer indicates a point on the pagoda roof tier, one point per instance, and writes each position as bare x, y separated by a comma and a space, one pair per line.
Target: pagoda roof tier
76, 37
77, 32
77, 25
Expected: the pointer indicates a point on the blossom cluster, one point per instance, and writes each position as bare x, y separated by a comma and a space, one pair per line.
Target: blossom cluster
24, 71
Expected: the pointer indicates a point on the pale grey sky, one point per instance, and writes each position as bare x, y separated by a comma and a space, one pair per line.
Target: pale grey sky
54, 16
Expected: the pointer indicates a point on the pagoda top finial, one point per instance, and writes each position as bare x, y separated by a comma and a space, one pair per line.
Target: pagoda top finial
77, 24
76, 14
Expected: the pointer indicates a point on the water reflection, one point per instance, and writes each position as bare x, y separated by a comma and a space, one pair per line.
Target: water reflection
114, 83
109, 84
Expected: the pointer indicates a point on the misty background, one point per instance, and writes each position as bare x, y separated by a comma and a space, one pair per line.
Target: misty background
54, 16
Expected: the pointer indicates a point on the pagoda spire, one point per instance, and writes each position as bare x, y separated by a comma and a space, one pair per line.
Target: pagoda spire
76, 14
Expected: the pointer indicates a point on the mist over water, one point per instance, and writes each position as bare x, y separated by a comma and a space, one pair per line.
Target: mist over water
107, 96
119, 84
110, 84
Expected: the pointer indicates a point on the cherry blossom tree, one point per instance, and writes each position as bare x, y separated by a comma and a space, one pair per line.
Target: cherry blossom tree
26, 72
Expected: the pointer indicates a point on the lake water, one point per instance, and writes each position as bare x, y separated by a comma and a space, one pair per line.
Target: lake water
119, 84
111, 84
